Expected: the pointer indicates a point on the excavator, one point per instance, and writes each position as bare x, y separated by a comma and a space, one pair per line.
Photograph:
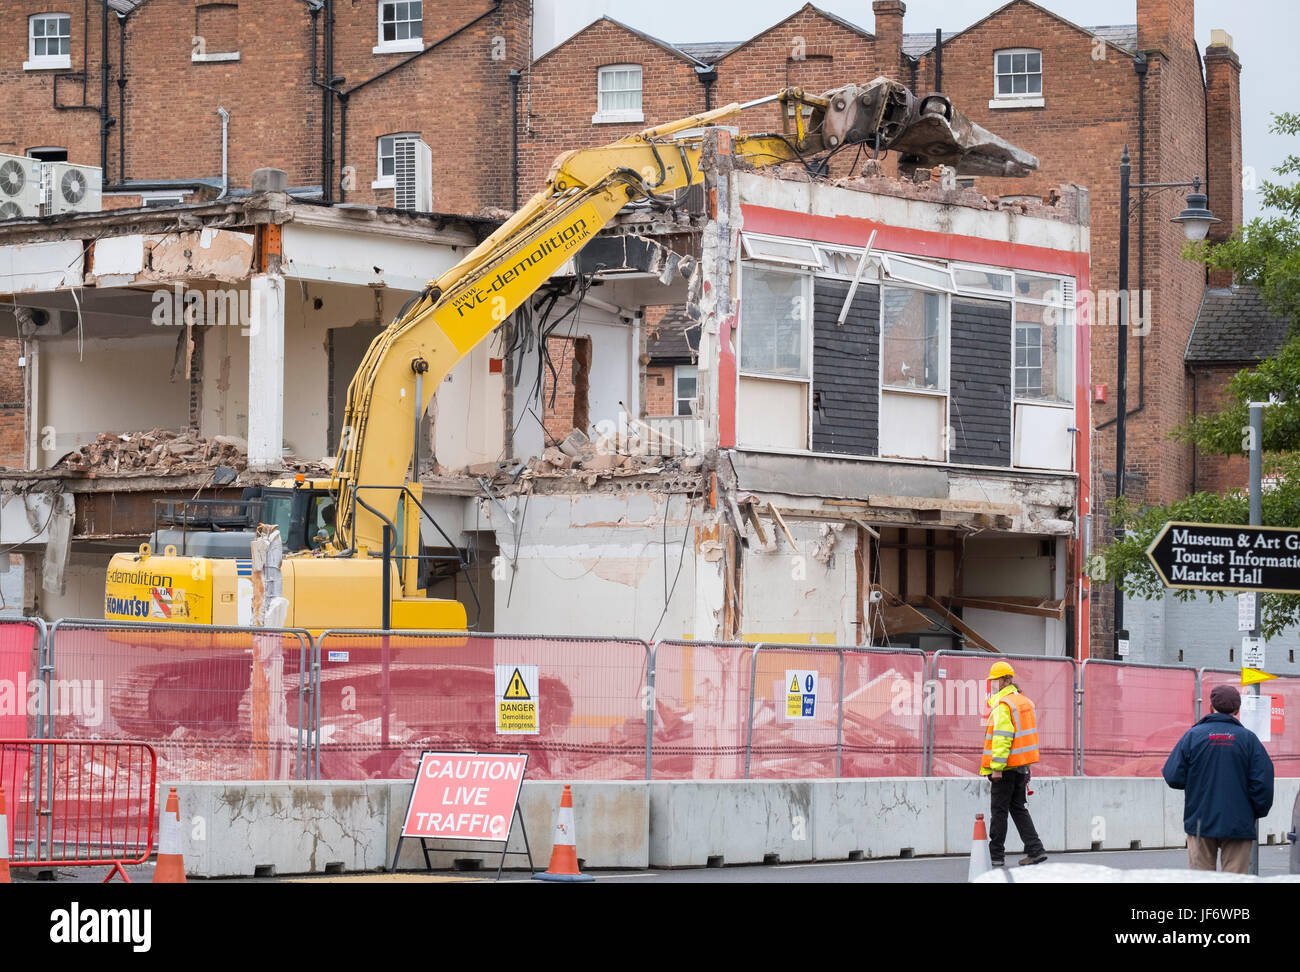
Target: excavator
352, 544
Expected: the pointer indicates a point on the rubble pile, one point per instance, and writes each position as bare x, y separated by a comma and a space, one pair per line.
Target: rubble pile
579, 456
159, 451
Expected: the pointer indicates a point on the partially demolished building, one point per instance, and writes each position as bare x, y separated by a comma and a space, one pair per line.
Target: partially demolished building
882, 444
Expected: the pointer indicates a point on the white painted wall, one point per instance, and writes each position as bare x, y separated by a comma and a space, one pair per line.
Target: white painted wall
110, 385
468, 411
613, 375
791, 595
594, 564
1012, 566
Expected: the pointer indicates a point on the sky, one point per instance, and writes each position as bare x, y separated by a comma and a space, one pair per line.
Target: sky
1264, 33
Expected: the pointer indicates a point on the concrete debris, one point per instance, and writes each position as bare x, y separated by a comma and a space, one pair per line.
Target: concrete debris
159, 451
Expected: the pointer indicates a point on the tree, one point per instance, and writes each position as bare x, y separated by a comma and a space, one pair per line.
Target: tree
1266, 254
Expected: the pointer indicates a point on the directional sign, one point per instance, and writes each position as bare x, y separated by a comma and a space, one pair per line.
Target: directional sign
1226, 557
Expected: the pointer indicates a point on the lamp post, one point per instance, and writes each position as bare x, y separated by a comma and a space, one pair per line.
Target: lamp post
1195, 220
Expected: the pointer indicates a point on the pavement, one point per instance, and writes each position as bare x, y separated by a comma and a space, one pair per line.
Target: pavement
1274, 861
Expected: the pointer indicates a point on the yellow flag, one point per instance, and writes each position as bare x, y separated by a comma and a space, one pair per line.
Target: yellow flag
1249, 676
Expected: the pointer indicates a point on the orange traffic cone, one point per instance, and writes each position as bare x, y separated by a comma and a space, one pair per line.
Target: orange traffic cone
979, 851
170, 868
564, 853
4, 841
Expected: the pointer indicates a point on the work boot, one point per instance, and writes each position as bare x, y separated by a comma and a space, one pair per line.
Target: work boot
998, 863
1033, 859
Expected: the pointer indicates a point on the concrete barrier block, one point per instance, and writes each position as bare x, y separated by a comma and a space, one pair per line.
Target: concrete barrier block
965, 797
1175, 835
1114, 812
1278, 821
738, 821
242, 828
612, 820
879, 818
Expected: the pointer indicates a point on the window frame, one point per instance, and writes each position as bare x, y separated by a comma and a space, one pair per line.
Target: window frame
1012, 99
806, 278
388, 181
944, 360
678, 399
623, 115
1059, 301
405, 46
45, 62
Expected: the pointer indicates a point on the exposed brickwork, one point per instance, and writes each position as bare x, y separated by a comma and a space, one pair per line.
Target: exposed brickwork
1216, 474
1223, 118
659, 396
557, 413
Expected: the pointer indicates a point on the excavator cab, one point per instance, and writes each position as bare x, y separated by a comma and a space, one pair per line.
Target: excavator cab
303, 510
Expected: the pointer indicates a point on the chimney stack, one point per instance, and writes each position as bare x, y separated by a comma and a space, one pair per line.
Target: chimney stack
1223, 121
1166, 26
889, 37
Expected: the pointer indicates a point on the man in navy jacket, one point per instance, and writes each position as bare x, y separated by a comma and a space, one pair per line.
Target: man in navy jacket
1228, 779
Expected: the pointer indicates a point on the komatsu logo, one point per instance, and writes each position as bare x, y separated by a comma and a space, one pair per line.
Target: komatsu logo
129, 607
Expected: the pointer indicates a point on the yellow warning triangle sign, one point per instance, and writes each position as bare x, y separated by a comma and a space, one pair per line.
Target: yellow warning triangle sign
1249, 676
794, 685
516, 689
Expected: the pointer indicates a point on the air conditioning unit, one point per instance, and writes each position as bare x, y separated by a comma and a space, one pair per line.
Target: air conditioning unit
71, 188
20, 187
413, 175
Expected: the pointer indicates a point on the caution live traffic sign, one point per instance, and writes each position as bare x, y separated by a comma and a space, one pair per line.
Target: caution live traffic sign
1227, 557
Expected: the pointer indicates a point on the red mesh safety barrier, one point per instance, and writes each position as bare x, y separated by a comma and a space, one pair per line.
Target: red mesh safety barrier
19, 670
216, 703
958, 699
385, 699
1284, 745
883, 728
701, 710
1133, 716
78, 802
795, 713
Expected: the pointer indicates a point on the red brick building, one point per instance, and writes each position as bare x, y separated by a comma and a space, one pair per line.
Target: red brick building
1074, 96
148, 114
326, 89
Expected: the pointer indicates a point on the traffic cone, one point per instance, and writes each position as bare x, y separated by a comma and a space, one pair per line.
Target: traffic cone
979, 850
170, 868
4, 841
564, 852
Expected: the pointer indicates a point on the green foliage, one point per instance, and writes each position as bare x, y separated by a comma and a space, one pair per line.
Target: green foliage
1266, 254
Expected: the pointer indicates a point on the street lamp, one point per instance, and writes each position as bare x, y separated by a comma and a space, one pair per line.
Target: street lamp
1195, 220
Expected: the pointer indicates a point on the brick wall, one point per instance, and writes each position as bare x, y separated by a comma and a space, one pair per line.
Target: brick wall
456, 97
30, 118
660, 399
557, 414
13, 422
1213, 473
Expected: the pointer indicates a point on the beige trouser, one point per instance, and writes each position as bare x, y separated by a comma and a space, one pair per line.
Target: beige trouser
1203, 854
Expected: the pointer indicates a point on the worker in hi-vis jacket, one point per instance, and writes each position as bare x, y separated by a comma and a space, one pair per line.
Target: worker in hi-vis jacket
1010, 748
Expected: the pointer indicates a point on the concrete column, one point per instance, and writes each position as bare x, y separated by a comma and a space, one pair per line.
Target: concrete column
265, 370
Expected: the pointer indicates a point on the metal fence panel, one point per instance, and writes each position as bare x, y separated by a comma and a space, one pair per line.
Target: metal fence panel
96, 807
884, 720
22, 643
216, 703
958, 700
1283, 746
1133, 716
385, 698
790, 738
701, 710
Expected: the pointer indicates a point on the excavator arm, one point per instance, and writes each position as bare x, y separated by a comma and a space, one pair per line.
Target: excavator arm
405, 365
